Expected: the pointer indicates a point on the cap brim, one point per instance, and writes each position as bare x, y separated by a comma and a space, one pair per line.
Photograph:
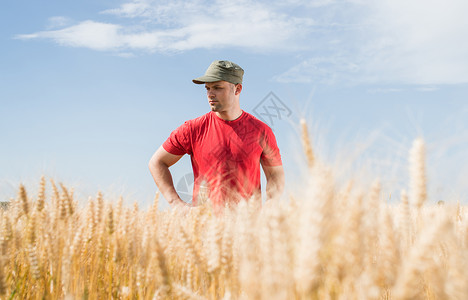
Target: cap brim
206, 78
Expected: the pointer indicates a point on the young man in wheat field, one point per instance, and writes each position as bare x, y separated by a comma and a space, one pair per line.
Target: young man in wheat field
226, 146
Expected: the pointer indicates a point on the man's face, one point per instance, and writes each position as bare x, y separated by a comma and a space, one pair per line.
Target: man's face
221, 95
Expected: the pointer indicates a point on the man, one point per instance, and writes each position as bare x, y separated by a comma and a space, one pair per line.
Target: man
226, 146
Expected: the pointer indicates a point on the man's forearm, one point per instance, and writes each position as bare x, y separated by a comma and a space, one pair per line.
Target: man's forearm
274, 188
275, 181
163, 179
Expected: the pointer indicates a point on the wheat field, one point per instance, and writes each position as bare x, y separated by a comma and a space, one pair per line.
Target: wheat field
336, 241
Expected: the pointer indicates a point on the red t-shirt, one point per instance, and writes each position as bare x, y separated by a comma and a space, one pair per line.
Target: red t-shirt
225, 155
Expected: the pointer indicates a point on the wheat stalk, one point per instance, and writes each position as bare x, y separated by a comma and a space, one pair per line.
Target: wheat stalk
334, 240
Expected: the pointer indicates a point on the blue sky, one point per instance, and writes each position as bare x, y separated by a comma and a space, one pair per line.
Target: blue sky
90, 89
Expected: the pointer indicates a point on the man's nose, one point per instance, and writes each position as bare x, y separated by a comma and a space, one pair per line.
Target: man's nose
210, 94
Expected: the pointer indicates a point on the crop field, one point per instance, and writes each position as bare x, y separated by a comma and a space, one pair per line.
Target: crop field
337, 241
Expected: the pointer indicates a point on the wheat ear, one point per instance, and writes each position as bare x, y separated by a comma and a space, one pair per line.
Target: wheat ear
306, 144
417, 168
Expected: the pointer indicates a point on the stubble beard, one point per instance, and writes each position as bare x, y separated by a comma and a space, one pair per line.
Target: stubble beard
215, 107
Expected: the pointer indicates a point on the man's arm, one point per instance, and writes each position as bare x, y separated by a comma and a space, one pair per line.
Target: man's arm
159, 167
275, 181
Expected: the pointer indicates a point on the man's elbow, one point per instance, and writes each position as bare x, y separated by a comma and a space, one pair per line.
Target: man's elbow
275, 183
151, 163
278, 177
154, 162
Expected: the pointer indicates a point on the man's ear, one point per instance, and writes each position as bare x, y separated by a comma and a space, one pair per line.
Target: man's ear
238, 88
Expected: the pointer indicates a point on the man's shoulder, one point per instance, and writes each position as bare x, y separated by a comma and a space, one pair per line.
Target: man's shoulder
256, 122
193, 126
199, 120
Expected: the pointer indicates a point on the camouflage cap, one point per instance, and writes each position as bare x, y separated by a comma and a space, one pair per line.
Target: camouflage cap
221, 70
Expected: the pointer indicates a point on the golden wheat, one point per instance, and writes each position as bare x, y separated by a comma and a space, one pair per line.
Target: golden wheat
332, 242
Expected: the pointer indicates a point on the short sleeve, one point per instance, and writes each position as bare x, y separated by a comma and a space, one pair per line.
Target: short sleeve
271, 155
179, 141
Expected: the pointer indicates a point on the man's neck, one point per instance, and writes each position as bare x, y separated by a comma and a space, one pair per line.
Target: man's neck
229, 115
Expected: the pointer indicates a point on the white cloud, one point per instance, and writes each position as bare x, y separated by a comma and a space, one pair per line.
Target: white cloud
384, 90
57, 22
418, 42
132, 9
181, 26
426, 41
427, 88
319, 70
89, 34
